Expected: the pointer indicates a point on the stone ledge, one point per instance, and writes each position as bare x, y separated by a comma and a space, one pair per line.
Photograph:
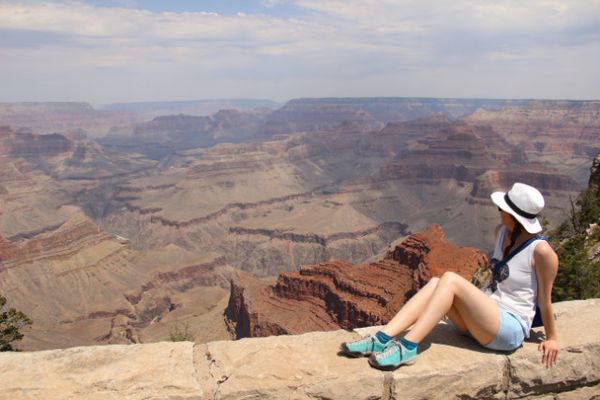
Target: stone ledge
307, 367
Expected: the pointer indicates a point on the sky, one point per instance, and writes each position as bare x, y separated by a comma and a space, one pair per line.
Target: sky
126, 50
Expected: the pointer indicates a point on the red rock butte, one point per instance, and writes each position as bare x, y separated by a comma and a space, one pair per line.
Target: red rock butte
336, 294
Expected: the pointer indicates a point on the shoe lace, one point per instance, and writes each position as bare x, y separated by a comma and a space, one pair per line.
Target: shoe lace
368, 339
364, 339
393, 347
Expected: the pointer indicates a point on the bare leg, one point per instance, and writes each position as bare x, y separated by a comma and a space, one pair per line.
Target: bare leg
410, 312
478, 312
457, 320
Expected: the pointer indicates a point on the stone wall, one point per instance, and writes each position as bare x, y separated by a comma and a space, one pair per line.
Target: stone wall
307, 367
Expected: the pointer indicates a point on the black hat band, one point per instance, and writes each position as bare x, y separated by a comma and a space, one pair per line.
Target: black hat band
517, 209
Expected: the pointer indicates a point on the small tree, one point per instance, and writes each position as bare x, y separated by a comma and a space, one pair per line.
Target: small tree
585, 211
578, 274
11, 322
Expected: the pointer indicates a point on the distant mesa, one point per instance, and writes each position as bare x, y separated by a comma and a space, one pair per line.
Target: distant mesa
62, 117
167, 134
153, 109
26, 144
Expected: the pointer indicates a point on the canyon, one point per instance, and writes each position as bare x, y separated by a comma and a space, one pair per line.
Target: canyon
120, 225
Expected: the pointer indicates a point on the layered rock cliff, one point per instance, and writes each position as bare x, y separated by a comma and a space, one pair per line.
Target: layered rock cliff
560, 134
167, 134
26, 144
336, 294
466, 153
547, 126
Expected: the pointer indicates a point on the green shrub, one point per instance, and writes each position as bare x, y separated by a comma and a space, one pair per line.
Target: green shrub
11, 323
578, 274
177, 334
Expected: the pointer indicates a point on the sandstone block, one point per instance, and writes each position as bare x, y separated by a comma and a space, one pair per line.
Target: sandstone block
585, 393
578, 364
152, 371
292, 367
449, 366
308, 366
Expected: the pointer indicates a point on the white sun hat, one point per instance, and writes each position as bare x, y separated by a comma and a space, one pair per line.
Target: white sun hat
523, 202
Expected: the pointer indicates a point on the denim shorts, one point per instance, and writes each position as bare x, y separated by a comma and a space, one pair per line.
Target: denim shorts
510, 333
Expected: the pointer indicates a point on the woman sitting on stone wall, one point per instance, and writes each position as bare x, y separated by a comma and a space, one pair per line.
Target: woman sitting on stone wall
499, 316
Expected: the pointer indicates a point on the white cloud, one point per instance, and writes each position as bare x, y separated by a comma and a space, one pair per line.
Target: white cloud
352, 44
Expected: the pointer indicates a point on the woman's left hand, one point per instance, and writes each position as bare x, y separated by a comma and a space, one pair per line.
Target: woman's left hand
549, 349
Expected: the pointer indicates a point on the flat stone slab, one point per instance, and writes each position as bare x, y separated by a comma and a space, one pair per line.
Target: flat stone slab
449, 365
578, 362
150, 371
292, 367
308, 367
452, 365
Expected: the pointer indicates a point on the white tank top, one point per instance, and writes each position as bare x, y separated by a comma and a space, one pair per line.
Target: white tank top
517, 294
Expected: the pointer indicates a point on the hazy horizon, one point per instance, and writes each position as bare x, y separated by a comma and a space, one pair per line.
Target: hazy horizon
124, 51
283, 102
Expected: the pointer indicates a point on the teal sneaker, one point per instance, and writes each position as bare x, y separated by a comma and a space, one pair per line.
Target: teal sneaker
363, 347
394, 356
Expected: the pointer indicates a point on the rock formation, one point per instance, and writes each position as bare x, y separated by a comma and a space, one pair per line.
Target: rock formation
25, 144
466, 153
307, 366
167, 134
335, 294
560, 134
546, 126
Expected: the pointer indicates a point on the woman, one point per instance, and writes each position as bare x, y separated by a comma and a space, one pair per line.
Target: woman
500, 316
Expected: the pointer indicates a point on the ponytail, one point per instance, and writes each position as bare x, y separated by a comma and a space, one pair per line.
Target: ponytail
518, 228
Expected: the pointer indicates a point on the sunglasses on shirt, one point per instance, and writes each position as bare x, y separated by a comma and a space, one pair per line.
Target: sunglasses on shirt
500, 272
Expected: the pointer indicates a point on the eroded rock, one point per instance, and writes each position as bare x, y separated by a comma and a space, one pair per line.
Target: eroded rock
335, 294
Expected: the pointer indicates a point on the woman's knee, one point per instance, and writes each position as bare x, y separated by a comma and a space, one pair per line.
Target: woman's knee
449, 277
434, 281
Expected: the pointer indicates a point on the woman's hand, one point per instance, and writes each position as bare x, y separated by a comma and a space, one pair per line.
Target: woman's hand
549, 349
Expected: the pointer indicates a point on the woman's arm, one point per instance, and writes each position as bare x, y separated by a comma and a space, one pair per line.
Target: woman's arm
545, 262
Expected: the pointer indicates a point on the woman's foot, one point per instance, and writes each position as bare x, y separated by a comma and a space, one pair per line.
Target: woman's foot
395, 355
366, 346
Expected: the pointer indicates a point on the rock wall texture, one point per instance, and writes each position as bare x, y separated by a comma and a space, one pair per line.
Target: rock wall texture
335, 294
307, 366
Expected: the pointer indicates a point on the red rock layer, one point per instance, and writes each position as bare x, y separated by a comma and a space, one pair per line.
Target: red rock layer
6, 250
335, 294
